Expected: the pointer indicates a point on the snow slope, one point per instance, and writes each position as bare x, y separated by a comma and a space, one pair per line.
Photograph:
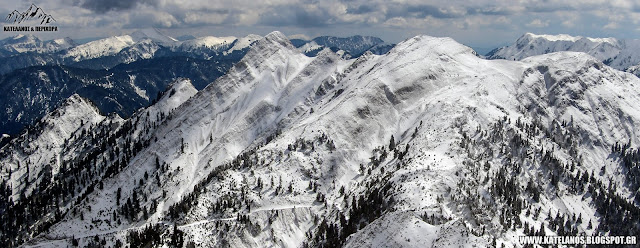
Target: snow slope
244, 42
532, 44
29, 43
427, 145
32, 151
208, 42
113, 45
99, 48
75, 145
619, 54
353, 46
155, 35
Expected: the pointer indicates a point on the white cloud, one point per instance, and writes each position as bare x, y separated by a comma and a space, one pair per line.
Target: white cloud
508, 18
194, 17
612, 25
537, 23
299, 36
396, 22
569, 19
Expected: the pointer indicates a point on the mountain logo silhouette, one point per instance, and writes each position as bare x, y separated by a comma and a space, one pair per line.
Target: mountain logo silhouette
34, 12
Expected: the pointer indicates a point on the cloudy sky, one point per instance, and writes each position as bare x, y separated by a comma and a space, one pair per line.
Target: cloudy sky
479, 23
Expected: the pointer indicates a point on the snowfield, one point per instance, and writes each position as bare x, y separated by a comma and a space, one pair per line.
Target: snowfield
428, 145
619, 54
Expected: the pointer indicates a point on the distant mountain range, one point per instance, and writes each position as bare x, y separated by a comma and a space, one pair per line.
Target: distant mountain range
119, 74
620, 54
28, 94
426, 145
26, 59
353, 46
122, 73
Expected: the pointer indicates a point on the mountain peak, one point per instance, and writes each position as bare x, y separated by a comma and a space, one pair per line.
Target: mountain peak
53, 131
153, 34
210, 41
102, 47
278, 37
566, 37
435, 45
75, 98
557, 37
244, 42
314, 132
271, 43
354, 45
531, 44
177, 93
372, 40
76, 103
21, 38
179, 85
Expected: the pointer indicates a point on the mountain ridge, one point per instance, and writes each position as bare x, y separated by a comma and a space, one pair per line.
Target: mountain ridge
29, 93
143, 47
427, 144
619, 54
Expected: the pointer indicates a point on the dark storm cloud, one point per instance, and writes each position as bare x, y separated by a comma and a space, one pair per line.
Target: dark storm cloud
549, 8
421, 11
362, 9
447, 18
490, 11
231, 16
424, 10
295, 16
103, 6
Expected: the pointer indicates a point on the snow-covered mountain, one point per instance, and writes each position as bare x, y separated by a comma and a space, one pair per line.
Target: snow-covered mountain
124, 73
154, 35
65, 135
28, 94
243, 43
139, 51
98, 48
74, 116
532, 44
29, 43
353, 46
208, 42
427, 145
113, 45
22, 51
619, 54
211, 47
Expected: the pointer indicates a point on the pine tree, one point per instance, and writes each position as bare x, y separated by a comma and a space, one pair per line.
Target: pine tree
118, 193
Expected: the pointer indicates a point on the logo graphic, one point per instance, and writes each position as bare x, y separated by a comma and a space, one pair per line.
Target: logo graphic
34, 12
